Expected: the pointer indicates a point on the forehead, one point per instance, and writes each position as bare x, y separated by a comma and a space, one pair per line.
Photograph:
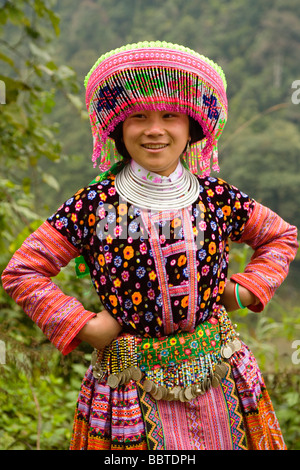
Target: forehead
156, 113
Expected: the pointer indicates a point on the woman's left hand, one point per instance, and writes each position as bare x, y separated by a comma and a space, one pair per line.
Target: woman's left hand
228, 298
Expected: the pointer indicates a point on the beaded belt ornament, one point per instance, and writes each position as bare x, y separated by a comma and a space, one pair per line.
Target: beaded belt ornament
177, 367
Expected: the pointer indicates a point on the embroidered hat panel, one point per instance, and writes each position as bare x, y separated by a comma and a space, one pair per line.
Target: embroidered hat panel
156, 76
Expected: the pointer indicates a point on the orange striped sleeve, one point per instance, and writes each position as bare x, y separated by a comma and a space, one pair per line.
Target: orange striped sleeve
275, 245
27, 279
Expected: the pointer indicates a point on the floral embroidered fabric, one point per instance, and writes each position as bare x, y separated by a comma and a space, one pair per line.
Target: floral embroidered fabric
157, 273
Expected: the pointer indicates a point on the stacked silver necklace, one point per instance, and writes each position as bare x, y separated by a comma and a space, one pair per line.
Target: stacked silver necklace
144, 194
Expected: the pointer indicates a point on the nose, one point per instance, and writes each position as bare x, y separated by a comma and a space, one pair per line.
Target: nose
155, 126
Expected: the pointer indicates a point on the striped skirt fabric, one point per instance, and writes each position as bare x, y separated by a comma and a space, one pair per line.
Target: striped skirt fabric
237, 415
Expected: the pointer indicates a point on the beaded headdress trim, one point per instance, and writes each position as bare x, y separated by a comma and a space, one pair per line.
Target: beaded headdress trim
156, 76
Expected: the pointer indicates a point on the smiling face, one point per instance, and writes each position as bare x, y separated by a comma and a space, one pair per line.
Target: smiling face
156, 139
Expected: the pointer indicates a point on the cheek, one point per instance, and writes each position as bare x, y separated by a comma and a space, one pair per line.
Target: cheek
183, 129
182, 134
127, 137
130, 133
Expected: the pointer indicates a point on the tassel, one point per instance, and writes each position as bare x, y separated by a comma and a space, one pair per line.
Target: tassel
215, 166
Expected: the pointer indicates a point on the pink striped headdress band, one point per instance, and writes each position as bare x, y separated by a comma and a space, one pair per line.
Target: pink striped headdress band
156, 76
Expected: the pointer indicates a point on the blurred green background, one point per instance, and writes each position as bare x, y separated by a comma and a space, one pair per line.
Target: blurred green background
46, 48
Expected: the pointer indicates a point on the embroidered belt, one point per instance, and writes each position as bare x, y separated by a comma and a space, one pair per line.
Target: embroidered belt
176, 367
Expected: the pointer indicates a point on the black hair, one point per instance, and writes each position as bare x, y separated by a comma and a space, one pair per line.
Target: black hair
196, 131
117, 135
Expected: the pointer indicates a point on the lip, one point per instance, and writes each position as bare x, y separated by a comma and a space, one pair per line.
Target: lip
154, 146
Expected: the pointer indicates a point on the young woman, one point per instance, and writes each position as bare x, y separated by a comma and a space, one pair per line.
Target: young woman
168, 370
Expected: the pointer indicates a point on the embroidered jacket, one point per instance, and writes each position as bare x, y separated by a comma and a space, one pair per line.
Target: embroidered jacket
157, 273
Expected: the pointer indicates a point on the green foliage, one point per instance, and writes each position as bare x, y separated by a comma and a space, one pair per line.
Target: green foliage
47, 47
38, 386
32, 79
38, 390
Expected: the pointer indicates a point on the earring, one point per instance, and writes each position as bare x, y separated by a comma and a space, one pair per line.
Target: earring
188, 148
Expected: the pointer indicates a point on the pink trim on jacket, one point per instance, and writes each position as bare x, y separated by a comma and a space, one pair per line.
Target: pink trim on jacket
27, 280
274, 242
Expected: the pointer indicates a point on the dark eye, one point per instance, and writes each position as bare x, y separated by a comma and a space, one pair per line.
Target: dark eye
138, 115
169, 115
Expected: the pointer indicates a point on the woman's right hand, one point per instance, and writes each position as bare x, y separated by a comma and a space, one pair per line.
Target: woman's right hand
100, 330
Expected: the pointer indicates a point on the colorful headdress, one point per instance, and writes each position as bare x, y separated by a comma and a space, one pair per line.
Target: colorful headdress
156, 76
